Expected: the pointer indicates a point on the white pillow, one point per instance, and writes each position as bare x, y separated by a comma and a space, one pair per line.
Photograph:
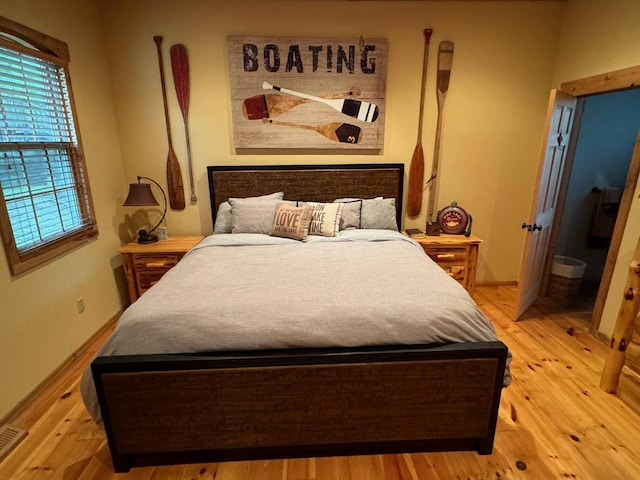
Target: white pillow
325, 220
223, 217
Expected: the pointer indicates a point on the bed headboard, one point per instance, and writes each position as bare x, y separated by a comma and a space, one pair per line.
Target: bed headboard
318, 183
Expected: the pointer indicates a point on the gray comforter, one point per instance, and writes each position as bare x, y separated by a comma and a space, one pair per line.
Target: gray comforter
249, 291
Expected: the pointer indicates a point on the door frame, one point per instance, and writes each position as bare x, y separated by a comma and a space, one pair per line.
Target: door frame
617, 80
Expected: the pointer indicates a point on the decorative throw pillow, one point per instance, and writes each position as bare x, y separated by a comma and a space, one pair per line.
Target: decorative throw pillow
253, 216
326, 219
378, 213
351, 212
291, 221
223, 217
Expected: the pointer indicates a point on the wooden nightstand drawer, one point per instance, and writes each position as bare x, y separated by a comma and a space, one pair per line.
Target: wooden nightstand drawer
455, 254
148, 279
457, 272
447, 255
150, 268
145, 264
156, 262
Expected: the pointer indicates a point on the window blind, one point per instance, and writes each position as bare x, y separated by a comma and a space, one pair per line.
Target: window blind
42, 182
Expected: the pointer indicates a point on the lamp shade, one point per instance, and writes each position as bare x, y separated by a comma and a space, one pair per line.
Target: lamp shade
140, 194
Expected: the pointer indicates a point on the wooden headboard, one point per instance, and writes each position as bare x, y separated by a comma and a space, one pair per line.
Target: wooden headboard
318, 183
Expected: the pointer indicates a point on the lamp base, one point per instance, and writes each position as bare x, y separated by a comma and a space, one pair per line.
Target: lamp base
144, 237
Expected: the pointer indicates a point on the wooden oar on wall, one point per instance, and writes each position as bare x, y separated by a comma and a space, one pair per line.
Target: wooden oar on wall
180, 68
445, 58
416, 168
175, 189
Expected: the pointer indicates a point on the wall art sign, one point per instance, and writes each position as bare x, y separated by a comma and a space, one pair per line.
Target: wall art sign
319, 93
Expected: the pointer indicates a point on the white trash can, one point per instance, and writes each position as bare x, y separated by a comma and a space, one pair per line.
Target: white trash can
566, 276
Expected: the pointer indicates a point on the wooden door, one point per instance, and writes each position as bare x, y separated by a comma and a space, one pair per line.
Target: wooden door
560, 116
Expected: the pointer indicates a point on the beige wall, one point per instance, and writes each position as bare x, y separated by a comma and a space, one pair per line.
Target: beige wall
597, 37
494, 113
39, 324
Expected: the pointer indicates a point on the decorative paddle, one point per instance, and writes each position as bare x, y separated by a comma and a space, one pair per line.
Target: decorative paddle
445, 58
271, 105
338, 132
174, 177
416, 168
180, 68
365, 111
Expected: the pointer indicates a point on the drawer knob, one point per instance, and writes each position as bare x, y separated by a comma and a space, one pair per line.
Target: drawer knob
442, 256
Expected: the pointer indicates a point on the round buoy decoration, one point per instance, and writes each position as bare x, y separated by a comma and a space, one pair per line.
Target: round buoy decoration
453, 219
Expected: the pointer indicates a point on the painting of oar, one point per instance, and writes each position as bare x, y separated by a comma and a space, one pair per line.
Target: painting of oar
365, 111
271, 105
338, 132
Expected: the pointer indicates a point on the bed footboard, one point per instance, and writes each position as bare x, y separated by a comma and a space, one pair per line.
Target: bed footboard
165, 409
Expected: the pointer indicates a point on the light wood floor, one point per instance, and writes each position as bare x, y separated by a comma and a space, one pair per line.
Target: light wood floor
554, 422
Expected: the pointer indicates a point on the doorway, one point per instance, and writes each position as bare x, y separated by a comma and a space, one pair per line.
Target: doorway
527, 292
604, 146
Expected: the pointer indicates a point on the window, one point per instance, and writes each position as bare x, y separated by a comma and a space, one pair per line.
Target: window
45, 203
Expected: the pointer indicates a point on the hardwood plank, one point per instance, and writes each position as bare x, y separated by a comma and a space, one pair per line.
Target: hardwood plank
554, 422
365, 467
299, 469
426, 466
396, 468
336, 466
406, 465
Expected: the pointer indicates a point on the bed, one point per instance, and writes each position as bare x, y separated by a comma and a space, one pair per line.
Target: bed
257, 346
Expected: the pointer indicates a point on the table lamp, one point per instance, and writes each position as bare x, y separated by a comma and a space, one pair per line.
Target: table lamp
140, 195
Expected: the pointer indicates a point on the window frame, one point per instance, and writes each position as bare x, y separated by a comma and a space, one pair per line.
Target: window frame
55, 51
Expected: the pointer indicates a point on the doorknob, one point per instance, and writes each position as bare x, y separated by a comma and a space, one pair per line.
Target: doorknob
530, 227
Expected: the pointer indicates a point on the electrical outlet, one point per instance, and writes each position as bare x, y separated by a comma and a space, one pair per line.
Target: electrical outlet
80, 304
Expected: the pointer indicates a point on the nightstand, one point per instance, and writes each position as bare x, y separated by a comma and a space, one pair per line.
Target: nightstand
145, 264
456, 254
